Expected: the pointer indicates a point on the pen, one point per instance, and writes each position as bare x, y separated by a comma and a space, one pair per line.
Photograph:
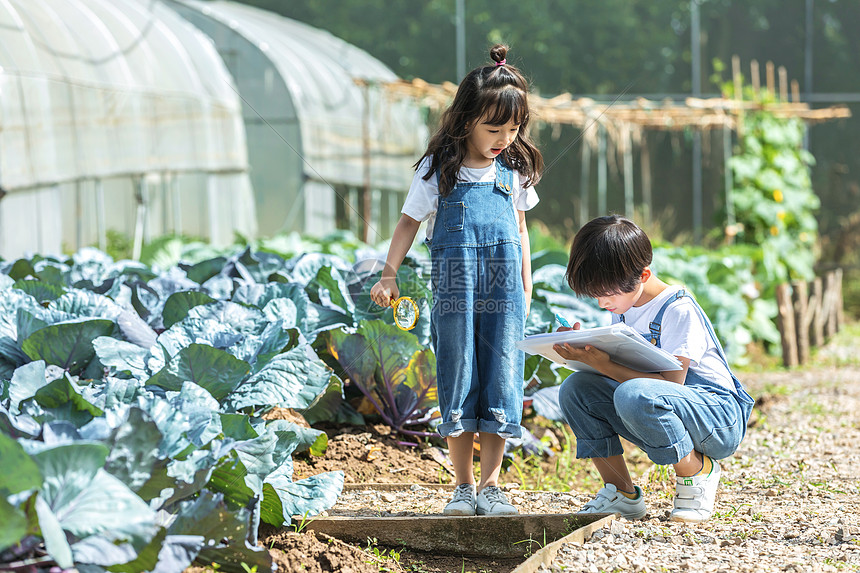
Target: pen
562, 321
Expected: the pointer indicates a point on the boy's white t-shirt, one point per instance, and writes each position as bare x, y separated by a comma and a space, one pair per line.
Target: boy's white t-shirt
682, 333
422, 201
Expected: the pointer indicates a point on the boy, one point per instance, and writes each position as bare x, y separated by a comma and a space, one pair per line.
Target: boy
688, 418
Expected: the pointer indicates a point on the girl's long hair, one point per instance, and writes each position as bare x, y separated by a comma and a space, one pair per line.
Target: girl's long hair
498, 93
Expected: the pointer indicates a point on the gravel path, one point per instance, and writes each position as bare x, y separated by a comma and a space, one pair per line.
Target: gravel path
789, 499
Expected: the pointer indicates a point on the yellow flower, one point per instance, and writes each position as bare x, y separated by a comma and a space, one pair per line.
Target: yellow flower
780, 215
777, 195
774, 231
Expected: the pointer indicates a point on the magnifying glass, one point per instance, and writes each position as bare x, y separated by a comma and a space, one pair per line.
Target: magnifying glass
405, 313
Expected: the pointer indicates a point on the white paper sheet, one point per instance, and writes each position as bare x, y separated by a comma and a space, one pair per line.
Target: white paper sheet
623, 344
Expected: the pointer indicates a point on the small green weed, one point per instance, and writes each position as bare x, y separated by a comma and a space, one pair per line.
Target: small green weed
531, 543
301, 525
732, 511
382, 557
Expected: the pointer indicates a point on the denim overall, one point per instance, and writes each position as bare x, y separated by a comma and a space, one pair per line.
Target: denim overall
665, 419
478, 308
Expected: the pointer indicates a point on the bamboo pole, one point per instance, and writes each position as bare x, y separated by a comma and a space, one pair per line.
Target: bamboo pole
801, 313
601, 170
628, 172
645, 160
584, 184
771, 90
786, 325
365, 163
840, 307
728, 184
817, 322
739, 93
783, 84
755, 78
830, 293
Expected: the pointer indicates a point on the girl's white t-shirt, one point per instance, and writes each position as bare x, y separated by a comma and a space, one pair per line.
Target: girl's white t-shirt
683, 332
423, 197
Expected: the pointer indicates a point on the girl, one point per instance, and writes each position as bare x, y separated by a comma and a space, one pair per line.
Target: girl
472, 186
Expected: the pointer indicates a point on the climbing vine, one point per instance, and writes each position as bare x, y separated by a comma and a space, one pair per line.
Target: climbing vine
772, 195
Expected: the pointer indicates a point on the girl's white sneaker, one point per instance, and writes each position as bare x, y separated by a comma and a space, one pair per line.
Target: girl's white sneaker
492, 501
463, 501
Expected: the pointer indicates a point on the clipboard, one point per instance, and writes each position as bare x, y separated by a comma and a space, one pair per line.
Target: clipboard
623, 344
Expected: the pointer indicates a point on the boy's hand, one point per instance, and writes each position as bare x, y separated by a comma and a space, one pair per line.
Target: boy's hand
385, 292
576, 326
589, 355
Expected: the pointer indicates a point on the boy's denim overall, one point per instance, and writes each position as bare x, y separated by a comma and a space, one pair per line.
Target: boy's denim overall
666, 419
478, 308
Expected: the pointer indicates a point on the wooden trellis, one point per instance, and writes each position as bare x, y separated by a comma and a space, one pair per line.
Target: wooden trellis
712, 113
666, 115
623, 123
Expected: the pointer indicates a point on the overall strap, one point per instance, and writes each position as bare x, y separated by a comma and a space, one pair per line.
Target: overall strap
504, 177
656, 325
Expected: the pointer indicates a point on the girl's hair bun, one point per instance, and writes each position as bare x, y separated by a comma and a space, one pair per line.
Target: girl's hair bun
498, 53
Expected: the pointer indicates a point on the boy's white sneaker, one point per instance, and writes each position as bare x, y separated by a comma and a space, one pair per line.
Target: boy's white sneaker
492, 501
462, 502
694, 496
609, 500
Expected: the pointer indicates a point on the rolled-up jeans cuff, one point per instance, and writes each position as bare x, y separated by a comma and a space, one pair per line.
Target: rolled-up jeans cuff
503, 429
672, 454
454, 429
602, 448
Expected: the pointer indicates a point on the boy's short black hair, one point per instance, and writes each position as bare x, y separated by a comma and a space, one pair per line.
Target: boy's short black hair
607, 257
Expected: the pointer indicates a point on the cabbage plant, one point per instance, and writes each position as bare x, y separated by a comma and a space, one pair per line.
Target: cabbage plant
130, 411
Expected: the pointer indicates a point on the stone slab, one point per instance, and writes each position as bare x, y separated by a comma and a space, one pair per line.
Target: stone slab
495, 536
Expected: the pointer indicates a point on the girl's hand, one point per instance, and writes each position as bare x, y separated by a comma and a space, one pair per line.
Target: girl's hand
385, 292
589, 355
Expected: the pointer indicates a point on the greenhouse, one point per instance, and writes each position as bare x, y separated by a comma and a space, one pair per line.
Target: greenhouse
140, 118
317, 140
117, 116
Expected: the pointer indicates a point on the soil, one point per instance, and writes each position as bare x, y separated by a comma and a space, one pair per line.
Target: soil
311, 552
371, 454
